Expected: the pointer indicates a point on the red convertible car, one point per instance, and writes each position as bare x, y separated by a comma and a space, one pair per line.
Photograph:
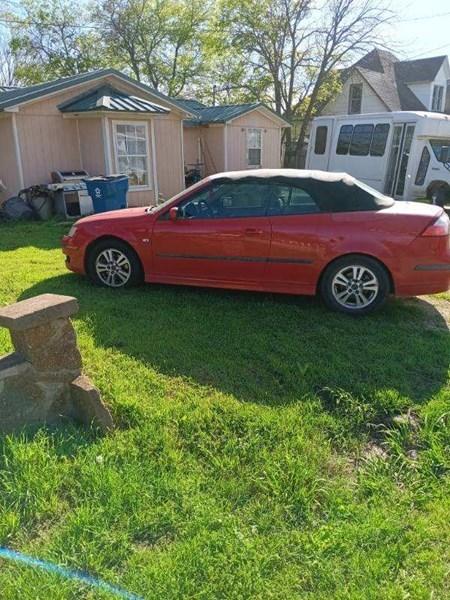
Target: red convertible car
288, 231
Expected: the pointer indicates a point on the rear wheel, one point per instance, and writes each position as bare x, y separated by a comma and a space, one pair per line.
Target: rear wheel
438, 196
355, 285
112, 263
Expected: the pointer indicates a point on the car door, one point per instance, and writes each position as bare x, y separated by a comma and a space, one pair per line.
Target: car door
297, 246
221, 234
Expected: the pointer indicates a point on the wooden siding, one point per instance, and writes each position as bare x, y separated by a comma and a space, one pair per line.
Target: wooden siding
9, 173
237, 141
169, 155
91, 146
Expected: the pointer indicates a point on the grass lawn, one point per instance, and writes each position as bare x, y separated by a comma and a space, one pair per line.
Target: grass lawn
257, 453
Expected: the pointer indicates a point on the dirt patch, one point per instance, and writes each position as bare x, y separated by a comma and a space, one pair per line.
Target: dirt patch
435, 310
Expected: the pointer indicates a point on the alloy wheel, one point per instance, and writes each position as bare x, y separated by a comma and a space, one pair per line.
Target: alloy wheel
355, 287
113, 267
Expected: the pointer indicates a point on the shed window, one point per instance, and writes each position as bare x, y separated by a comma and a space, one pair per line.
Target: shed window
355, 98
131, 151
361, 139
320, 142
379, 139
344, 139
254, 147
438, 94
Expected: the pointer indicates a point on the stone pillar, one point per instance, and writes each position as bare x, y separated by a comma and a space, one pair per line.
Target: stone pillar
41, 382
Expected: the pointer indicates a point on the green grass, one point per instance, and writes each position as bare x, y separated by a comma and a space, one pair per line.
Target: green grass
256, 453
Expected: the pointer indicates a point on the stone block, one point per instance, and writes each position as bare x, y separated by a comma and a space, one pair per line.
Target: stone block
37, 311
87, 404
49, 347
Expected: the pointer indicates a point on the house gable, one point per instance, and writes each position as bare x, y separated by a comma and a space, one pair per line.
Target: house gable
392, 85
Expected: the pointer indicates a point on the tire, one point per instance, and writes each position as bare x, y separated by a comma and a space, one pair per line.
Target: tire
355, 285
114, 264
439, 196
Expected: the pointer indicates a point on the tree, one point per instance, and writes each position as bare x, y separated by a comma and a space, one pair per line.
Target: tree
287, 51
160, 41
51, 39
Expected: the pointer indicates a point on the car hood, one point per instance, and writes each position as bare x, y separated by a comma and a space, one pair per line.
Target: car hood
118, 216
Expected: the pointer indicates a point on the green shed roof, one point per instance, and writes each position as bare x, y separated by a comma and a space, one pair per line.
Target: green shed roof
204, 115
107, 98
18, 96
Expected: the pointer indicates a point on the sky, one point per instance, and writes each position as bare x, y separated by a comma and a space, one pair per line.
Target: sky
422, 28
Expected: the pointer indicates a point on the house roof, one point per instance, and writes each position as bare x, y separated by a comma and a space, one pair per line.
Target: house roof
107, 98
205, 115
389, 77
17, 96
190, 104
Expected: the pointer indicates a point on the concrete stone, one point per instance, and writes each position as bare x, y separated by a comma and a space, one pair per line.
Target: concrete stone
88, 405
41, 382
37, 311
49, 347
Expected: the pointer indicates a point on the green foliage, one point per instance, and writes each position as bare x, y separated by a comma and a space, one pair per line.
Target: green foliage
265, 448
52, 39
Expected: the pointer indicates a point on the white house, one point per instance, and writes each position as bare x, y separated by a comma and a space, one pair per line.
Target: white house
379, 82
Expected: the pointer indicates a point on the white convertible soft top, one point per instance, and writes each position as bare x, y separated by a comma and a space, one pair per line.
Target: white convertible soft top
288, 173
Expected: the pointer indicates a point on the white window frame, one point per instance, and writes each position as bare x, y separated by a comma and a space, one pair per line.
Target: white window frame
249, 129
145, 124
354, 86
438, 95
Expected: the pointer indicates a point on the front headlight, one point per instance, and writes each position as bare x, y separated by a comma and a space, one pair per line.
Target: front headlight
72, 231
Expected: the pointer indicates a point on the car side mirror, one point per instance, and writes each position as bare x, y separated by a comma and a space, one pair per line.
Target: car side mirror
444, 154
173, 213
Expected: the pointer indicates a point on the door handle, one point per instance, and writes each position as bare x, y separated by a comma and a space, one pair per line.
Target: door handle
253, 231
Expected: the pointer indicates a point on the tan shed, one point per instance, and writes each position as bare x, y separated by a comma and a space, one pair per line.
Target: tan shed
232, 137
103, 122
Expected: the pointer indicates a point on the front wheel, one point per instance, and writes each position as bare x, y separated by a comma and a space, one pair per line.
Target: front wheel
355, 285
114, 264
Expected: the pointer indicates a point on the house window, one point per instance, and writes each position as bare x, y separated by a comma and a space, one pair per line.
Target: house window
320, 143
355, 99
131, 152
438, 94
254, 147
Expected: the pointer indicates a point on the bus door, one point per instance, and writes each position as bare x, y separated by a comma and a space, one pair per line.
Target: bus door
402, 138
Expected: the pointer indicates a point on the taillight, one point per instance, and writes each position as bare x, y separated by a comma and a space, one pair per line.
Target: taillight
439, 228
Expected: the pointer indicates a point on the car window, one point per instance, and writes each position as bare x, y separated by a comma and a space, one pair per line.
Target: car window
226, 200
290, 200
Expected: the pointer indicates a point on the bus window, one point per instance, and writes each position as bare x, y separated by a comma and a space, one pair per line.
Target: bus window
361, 138
344, 139
423, 167
441, 149
380, 136
321, 140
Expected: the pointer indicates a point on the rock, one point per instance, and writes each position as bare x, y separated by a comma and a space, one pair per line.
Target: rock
88, 406
41, 382
36, 311
49, 347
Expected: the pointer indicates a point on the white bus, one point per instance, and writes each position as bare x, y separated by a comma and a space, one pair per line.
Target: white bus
401, 154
